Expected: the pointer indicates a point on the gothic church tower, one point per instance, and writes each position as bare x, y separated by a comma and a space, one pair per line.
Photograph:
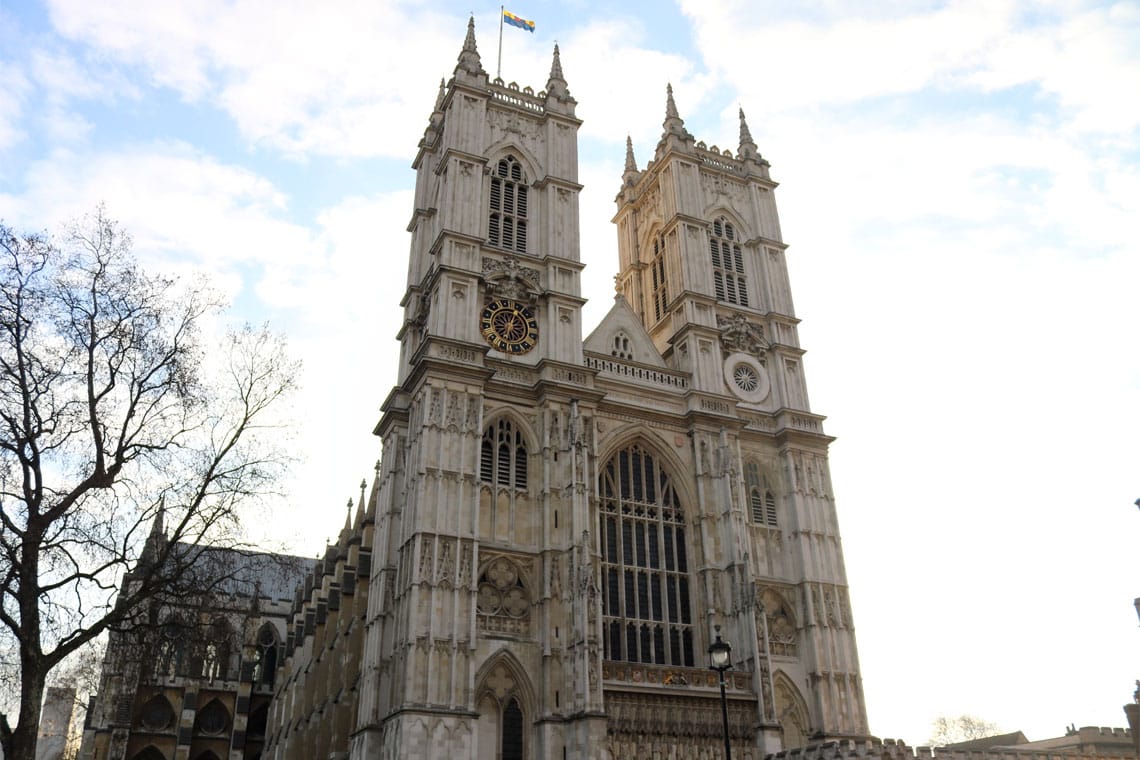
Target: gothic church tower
475, 647
560, 522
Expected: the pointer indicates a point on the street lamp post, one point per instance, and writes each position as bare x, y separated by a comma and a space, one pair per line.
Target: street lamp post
720, 660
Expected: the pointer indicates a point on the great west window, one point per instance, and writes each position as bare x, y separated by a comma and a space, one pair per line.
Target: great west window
645, 596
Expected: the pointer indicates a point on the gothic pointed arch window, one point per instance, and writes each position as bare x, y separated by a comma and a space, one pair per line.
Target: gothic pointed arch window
149, 753
647, 611
508, 213
265, 668
212, 720
503, 455
727, 263
217, 651
761, 499
503, 723
156, 715
659, 285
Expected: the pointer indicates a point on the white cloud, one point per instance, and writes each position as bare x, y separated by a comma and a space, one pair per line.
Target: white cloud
12, 95
298, 77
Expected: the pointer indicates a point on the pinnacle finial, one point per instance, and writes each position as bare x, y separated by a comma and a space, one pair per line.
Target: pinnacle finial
673, 124
469, 60
556, 85
439, 97
747, 148
556, 65
469, 42
630, 161
670, 106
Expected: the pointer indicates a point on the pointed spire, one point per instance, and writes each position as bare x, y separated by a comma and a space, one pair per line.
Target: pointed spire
747, 148
370, 513
673, 124
469, 61
439, 97
670, 106
156, 539
630, 175
556, 88
556, 65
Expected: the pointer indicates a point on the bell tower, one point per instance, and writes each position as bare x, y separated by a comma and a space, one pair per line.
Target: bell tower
702, 264
481, 621
494, 260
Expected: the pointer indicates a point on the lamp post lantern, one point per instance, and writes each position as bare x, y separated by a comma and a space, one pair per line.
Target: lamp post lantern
720, 660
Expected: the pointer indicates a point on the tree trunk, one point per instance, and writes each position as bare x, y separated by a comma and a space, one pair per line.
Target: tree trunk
27, 730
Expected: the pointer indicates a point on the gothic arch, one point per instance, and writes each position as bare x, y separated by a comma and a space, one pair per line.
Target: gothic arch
518, 420
654, 442
150, 752
512, 669
156, 714
212, 720
504, 148
791, 711
730, 214
504, 699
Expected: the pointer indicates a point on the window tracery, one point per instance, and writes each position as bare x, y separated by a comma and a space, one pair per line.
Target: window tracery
503, 600
213, 719
503, 455
761, 499
645, 595
507, 224
622, 348
728, 263
265, 668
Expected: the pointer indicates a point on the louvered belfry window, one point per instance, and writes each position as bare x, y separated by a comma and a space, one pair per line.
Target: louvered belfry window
761, 500
502, 456
727, 263
660, 286
645, 596
508, 219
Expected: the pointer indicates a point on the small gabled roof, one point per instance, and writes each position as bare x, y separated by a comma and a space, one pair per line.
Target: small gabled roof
622, 319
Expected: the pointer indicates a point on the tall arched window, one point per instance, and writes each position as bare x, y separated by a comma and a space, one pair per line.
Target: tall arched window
659, 285
512, 738
508, 213
645, 594
727, 263
761, 500
266, 666
502, 456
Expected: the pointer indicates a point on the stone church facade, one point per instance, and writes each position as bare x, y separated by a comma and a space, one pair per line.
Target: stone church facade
558, 521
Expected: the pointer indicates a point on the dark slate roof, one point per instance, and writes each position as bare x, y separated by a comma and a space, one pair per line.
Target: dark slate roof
240, 572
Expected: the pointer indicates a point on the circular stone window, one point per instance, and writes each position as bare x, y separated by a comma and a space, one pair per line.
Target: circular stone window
746, 377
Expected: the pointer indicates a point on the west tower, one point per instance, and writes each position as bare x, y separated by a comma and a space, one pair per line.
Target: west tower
560, 522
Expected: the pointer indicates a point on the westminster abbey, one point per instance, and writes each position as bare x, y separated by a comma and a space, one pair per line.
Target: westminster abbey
558, 520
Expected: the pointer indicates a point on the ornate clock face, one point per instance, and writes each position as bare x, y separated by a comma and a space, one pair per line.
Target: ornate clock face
509, 326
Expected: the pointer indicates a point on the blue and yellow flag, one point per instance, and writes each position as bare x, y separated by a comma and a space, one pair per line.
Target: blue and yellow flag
518, 21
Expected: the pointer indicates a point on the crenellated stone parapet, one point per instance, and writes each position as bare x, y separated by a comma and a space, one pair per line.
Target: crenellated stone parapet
890, 749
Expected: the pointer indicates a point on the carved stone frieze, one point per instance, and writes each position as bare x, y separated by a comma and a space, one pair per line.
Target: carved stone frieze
737, 334
506, 278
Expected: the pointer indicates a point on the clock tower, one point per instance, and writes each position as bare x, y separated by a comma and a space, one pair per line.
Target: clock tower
475, 646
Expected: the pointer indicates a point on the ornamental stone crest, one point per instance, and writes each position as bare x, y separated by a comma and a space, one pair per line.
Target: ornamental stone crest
506, 279
737, 334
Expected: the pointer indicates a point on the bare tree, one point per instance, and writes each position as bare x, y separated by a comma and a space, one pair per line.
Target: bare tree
115, 415
961, 729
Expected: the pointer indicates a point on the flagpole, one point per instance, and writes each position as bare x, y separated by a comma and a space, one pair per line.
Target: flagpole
499, 71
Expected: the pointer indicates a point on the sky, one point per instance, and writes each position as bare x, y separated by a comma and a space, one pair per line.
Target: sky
960, 189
